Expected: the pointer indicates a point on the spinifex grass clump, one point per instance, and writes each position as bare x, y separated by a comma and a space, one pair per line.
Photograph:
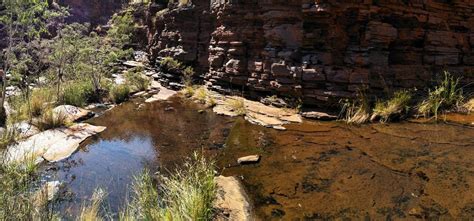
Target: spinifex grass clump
446, 95
396, 106
18, 200
204, 96
357, 111
186, 194
51, 120
237, 105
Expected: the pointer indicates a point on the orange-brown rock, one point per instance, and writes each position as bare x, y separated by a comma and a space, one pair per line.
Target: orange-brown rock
320, 50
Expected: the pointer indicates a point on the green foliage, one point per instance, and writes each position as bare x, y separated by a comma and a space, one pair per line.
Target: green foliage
18, 201
188, 74
120, 93
137, 80
170, 64
446, 95
28, 106
186, 194
396, 106
122, 28
78, 93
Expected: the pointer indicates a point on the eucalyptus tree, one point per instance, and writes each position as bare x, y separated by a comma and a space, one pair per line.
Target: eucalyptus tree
25, 22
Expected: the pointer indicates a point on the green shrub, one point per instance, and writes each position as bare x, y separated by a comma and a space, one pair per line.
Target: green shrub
188, 74
137, 80
18, 201
170, 64
120, 93
396, 106
78, 93
446, 95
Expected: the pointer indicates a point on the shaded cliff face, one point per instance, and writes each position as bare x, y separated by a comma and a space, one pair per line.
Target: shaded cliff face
319, 50
92, 11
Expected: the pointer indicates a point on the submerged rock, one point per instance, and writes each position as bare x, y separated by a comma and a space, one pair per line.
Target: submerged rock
47, 193
249, 159
51, 145
232, 200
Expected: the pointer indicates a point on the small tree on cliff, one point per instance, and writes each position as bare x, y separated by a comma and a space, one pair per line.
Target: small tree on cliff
24, 22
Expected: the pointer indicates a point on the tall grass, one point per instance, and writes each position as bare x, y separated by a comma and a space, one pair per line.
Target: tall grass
29, 106
17, 195
204, 96
50, 120
237, 106
357, 111
396, 106
91, 212
186, 194
446, 95
78, 93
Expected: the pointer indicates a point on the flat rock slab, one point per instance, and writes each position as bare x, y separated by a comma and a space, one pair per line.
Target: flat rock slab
224, 110
25, 129
232, 200
257, 113
72, 113
162, 95
318, 116
133, 64
51, 145
249, 159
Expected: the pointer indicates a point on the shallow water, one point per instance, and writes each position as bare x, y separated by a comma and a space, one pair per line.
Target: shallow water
314, 170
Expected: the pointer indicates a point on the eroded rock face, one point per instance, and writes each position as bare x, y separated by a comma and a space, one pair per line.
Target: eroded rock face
319, 50
95, 12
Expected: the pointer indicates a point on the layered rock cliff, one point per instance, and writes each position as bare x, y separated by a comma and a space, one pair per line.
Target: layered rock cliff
318, 50
92, 11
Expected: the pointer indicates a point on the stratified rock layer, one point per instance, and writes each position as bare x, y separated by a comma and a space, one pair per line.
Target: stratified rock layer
319, 50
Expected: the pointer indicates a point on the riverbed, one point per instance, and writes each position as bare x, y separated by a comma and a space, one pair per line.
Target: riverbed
313, 170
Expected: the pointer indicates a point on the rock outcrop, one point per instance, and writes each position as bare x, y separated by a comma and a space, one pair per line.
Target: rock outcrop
319, 50
94, 12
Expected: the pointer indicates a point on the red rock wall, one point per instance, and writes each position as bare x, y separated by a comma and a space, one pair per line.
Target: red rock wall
92, 11
321, 50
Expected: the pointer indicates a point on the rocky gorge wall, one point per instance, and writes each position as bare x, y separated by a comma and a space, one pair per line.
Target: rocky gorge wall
92, 11
319, 50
